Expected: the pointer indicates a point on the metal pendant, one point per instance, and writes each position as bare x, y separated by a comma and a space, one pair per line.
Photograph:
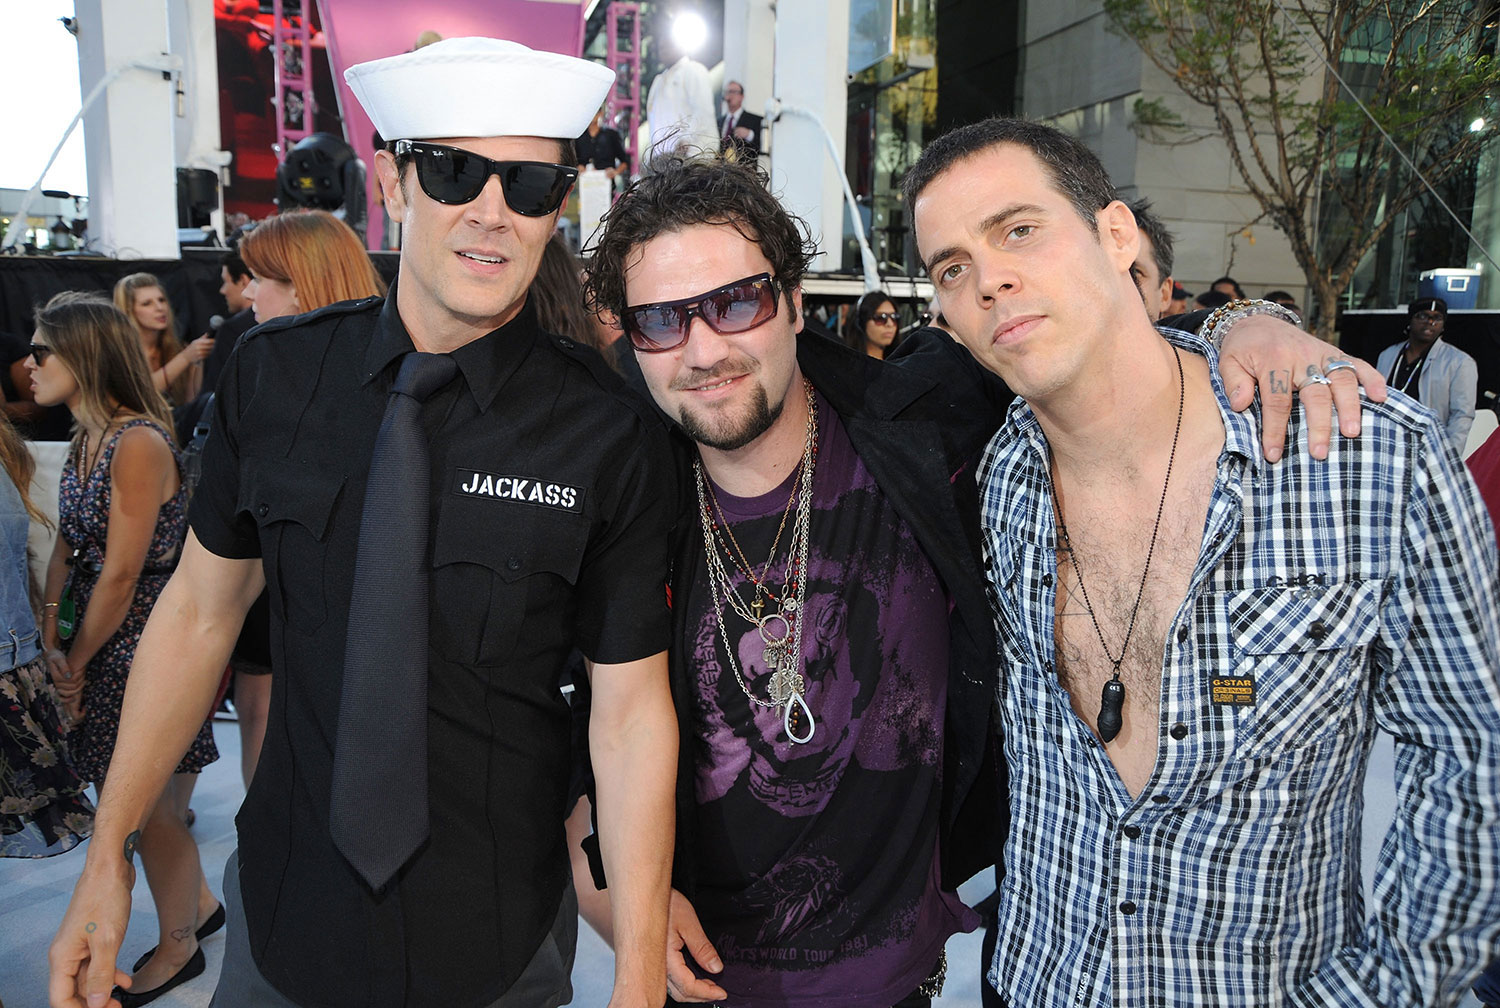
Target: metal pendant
794, 705
786, 682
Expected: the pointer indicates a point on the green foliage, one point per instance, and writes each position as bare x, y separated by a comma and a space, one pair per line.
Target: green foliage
1423, 70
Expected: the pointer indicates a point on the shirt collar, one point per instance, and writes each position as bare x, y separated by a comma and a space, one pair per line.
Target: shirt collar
1239, 428
486, 362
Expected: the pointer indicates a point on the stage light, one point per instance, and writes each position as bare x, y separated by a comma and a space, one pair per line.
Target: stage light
689, 32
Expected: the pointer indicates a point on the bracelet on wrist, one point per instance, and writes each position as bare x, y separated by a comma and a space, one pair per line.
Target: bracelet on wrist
1223, 318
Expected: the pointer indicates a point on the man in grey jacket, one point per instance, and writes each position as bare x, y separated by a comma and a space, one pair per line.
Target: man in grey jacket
1437, 374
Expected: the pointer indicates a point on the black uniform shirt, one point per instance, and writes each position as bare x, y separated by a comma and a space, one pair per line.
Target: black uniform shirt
552, 489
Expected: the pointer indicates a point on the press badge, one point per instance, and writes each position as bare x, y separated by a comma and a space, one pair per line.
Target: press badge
1233, 691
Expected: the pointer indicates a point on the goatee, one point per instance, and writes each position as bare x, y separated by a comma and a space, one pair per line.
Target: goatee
725, 438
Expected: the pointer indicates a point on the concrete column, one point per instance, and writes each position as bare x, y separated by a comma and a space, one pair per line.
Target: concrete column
128, 132
191, 24
811, 71
750, 51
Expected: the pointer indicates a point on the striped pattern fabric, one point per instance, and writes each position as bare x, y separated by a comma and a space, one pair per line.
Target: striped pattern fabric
1358, 594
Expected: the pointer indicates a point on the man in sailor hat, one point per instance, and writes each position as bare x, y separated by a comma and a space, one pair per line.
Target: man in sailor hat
443, 500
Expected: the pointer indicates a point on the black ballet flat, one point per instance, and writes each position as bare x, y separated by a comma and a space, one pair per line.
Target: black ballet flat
193, 968
210, 926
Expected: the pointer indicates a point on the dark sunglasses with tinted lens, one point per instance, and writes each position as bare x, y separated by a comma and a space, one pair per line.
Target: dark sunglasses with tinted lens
883, 317
455, 176
41, 352
734, 308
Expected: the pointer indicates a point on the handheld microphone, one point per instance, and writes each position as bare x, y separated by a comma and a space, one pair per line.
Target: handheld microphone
214, 322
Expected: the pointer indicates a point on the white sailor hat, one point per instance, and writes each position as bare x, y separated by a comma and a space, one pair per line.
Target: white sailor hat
479, 87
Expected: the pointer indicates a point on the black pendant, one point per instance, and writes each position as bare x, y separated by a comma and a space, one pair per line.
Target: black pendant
1110, 704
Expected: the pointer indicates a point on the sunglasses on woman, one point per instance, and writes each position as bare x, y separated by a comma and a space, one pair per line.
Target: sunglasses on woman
883, 317
734, 308
40, 351
455, 176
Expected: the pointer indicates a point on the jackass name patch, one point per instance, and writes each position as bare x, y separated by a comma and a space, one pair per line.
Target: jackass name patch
521, 489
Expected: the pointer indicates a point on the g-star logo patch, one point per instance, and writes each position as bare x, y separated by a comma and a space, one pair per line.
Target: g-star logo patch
1233, 691
522, 489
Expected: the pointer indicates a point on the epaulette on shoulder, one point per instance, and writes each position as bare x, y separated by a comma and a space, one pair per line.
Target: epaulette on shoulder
608, 379
335, 310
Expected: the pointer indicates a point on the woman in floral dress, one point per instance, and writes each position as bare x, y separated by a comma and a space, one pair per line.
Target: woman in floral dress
122, 518
43, 808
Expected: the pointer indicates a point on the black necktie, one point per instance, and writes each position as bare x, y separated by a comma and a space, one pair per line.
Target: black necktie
378, 812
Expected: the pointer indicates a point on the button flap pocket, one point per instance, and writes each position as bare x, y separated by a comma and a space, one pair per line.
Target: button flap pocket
1316, 617
279, 490
1300, 654
513, 542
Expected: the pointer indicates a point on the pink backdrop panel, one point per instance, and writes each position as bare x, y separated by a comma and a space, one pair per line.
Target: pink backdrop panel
360, 30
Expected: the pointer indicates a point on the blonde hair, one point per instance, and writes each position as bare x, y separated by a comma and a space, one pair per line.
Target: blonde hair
20, 466
99, 345
168, 346
316, 253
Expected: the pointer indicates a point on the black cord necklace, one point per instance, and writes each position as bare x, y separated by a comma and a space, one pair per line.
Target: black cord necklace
1112, 700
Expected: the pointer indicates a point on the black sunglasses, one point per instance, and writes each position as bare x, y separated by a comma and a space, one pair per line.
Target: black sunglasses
883, 316
734, 308
455, 176
41, 352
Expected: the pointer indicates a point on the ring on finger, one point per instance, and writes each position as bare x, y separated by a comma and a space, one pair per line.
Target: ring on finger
1316, 379
1337, 365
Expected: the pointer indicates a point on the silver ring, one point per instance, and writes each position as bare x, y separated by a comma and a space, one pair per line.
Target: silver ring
1316, 379
1338, 365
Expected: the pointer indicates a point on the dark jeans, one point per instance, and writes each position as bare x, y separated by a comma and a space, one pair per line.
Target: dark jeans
1487, 990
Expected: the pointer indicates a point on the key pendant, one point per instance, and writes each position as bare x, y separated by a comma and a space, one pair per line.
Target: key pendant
786, 682
1110, 704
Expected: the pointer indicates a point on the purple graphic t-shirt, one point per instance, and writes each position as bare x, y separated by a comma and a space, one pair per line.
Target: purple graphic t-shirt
818, 861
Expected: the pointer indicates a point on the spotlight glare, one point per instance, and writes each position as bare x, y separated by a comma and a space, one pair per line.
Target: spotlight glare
689, 32
1476, 125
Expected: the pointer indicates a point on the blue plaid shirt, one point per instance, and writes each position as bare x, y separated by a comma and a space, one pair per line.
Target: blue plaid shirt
1359, 594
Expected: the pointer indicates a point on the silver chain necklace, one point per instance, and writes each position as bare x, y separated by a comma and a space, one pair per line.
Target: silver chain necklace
780, 630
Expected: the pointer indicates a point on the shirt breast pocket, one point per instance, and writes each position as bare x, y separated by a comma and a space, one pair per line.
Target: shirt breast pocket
292, 503
497, 567
1306, 649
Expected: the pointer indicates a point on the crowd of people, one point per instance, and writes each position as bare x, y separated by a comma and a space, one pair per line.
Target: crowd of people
1089, 596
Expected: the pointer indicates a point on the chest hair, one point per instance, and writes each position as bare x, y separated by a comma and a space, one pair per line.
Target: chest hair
1110, 543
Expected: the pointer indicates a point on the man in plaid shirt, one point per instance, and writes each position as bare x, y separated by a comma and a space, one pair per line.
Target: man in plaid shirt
1198, 646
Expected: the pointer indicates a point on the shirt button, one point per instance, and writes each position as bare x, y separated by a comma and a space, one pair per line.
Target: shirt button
1131, 832
1046, 580
1127, 908
1179, 731
513, 564
263, 510
1161, 799
1182, 633
1318, 630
